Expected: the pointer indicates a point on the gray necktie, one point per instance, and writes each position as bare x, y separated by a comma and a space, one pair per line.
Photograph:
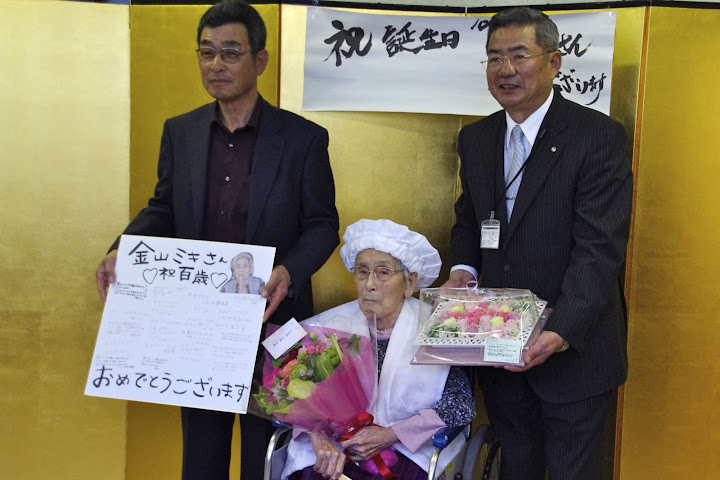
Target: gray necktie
518, 158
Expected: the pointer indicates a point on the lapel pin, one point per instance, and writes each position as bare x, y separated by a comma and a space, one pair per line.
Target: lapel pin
553, 149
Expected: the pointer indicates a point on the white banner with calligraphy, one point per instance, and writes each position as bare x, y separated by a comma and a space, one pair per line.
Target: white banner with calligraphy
171, 334
431, 64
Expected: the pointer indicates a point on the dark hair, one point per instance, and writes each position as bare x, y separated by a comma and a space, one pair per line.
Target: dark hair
236, 11
546, 32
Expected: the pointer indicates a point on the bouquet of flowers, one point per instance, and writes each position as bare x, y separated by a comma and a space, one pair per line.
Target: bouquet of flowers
451, 320
322, 383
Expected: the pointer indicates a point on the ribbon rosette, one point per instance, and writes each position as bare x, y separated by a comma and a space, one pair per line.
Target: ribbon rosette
378, 464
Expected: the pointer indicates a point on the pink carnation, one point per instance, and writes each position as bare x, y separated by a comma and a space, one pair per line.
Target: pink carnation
269, 379
313, 348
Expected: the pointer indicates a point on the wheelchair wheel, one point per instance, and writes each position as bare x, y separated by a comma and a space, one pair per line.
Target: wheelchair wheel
482, 455
491, 468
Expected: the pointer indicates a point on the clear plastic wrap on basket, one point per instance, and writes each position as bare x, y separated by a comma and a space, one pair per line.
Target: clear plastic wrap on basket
474, 326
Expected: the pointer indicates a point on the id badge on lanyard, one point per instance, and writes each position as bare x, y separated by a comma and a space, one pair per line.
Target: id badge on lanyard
490, 232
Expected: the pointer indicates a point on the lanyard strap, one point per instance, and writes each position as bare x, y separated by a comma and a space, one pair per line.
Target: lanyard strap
515, 178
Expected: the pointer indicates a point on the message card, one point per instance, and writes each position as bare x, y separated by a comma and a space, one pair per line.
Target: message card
284, 338
502, 350
171, 334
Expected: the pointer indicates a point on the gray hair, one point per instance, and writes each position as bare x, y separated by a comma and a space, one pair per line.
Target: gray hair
546, 32
403, 269
246, 255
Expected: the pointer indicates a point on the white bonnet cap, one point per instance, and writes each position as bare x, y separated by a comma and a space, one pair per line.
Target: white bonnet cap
411, 248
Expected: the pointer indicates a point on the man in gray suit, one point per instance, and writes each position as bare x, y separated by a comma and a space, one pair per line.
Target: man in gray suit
240, 170
555, 177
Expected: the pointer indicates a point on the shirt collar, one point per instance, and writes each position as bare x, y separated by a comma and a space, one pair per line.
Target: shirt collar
253, 122
531, 125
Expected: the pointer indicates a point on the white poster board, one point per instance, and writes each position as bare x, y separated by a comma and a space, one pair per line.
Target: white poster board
171, 333
431, 64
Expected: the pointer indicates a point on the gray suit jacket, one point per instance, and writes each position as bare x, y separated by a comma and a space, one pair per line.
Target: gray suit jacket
566, 240
292, 194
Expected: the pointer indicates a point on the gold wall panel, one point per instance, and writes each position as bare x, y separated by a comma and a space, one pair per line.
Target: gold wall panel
671, 425
165, 81
64, 127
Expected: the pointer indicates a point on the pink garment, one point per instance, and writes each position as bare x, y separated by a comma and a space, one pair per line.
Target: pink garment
414, 431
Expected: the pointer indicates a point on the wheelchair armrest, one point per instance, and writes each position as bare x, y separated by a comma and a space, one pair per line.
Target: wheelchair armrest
279, 424
444, 437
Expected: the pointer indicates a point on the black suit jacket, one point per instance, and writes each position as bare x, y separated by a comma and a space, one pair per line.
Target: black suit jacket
292, 194
566, 240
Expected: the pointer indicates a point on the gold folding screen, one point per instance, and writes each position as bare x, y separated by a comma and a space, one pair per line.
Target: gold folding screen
671, 419
64, 129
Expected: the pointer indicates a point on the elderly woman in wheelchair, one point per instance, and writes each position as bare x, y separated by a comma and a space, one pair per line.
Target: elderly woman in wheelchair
412, 402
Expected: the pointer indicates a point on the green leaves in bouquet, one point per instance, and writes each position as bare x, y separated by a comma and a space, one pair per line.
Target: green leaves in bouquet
324, 364
355, 344
298, 388
279, 406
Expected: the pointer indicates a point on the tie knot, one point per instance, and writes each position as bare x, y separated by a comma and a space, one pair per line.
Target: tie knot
517, 133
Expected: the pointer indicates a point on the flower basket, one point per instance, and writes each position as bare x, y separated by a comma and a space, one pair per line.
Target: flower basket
470, 326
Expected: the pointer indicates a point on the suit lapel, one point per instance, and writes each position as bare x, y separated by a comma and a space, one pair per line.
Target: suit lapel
548, 147
269, 146
198, 149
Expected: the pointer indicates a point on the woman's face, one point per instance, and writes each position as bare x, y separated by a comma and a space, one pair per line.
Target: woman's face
384, 299
242, 270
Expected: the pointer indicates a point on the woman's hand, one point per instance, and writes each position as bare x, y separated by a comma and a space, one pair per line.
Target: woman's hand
368, 442
330, 461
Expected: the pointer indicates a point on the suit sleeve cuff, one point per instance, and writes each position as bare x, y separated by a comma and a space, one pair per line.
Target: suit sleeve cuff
467, 268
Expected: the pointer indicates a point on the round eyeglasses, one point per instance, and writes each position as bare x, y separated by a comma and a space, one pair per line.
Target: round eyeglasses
382, 274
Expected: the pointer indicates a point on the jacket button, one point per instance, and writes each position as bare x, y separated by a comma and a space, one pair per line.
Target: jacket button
506, 268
